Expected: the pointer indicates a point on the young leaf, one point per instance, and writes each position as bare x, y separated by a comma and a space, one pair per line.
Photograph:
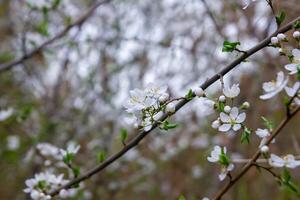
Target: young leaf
42, 28
123, 135
280, 18
297, 25
229, 46
245, 135
224, 159
298, 73
167, 125
101, 156
76, 171
269, 124
190, 95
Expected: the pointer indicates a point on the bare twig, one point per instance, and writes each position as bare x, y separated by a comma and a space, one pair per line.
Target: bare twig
135, 141
78, 22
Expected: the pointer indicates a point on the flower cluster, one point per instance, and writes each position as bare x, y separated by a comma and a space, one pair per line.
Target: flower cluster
218, 155
286, 161
43, 183
230, 117
146, 105
274, 87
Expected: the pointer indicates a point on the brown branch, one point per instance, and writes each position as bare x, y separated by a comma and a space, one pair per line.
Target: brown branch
254, 158
135, 141
78, 22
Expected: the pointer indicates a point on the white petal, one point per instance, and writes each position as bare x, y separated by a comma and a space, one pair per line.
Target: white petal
236, 127
222, 176
224, 117
241, 118
296, 53
234, 112
225, 127
292, 68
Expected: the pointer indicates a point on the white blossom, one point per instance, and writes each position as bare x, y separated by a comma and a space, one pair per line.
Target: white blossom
170, 108
232, 120
13, 142
274, 87
296, 34
47, 149
264, 134
216, 153
281, 37
199, 91
264, 149
225, 170
291, 91
274, 40
232, 91
71, 149
5, 114
293, 67
287, 161
222, 98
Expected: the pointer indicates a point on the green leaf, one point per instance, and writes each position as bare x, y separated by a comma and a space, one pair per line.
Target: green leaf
298, 73
101, 156
167, 125
229, 46
55, 4
280, 17
24, 113
190, 95
68, 158
245, 135
286, 181
76, 171
181, 197
123, 135
224, 159
297, 25
42, 28
220, 106
269, 124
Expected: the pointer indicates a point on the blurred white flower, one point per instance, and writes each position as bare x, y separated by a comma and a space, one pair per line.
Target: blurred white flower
5, 114
232, 120
13, 142
293, 67
296, 34
232, 91
216, 153
287, 161
274, 40
274, 87
264, 149
264, 134
47, 149
71, 149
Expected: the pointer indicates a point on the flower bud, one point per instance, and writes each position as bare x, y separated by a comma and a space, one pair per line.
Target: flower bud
245, 105
215, 124
281, 37
170, 108
222, 98
264, 149
199, 92
296, 34
281, 51
227, 109
163, 98
274, 41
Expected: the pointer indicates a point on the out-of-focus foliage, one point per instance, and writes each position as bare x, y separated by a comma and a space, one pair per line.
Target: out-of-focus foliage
75, 90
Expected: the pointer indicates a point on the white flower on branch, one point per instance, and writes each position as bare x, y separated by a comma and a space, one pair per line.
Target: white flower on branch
264, 134
41, 183
231, 92
232, 120
274, 87
293, 67
47, 149
71, 149
218, 155
286, 161
292, 91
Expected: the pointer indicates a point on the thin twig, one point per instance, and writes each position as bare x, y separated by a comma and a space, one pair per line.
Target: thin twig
249, 164
78, 22
136, 140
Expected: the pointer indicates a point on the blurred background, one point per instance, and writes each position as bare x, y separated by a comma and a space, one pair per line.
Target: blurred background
74, 91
